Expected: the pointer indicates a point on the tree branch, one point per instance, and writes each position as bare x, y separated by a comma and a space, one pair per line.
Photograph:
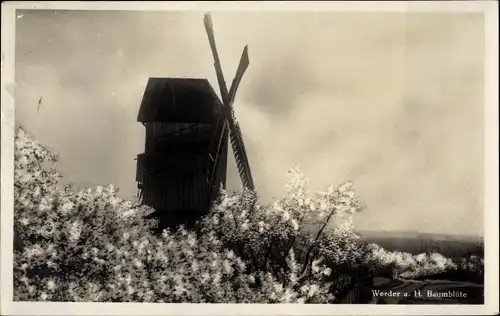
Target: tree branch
306, 265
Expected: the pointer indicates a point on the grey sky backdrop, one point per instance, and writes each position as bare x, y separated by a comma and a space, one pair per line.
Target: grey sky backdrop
390, 101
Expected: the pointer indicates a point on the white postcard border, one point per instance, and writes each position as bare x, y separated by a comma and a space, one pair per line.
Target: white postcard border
490, 8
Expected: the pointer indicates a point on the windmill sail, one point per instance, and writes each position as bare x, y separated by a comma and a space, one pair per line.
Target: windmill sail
215, 149
235, 135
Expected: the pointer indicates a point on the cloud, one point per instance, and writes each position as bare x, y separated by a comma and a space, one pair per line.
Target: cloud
391, 101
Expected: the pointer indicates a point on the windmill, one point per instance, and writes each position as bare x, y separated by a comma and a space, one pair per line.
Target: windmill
188, 129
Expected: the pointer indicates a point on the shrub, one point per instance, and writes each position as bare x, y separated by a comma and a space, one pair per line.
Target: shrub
94, 246
424, 265
276, 239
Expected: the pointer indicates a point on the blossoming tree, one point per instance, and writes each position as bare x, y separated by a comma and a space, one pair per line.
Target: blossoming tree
91, 245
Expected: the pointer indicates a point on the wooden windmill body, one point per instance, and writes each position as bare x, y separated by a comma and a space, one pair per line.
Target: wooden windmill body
188, 129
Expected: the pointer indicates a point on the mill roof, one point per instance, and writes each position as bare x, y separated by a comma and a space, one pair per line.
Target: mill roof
187, 100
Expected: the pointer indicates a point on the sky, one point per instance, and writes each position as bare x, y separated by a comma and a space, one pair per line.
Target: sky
390, 101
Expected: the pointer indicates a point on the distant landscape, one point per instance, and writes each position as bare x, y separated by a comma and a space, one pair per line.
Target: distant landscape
453, 246
456, 247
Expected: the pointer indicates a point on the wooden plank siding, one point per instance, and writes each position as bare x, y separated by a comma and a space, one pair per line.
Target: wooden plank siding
160, 135
171, 183
173, 173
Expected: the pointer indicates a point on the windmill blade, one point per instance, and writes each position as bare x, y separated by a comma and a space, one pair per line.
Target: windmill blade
235, 136
240, 154
218, 68
242, 67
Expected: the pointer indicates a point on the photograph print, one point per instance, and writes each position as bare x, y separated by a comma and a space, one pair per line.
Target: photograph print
257, 157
